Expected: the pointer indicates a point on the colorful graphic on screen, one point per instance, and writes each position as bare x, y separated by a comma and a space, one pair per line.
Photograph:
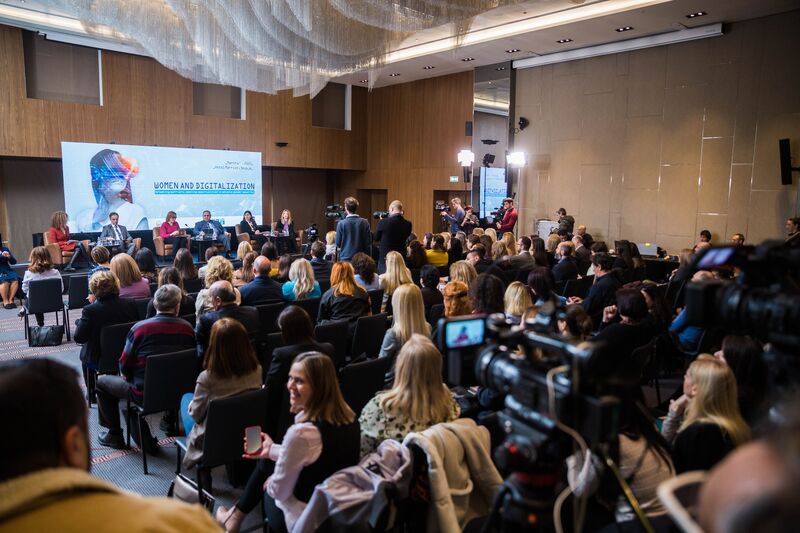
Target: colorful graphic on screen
464, 333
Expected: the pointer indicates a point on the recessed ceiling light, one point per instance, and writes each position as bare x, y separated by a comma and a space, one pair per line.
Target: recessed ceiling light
625, 28
363, 81
512, 51
468, 59
562, 41
394, 74
428, 67
698, 14
500, 68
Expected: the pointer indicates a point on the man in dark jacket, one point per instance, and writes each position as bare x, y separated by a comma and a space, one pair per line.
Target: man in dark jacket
565, 221
263, 289
391, 234
566, 268
223, 299
352, 233
321, 267
603, 292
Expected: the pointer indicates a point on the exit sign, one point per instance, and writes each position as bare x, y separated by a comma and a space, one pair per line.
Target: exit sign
453, 179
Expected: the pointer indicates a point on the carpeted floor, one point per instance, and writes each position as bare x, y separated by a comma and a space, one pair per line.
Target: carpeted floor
121, 467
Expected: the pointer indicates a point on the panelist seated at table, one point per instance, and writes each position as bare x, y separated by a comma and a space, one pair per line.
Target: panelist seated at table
213, 229
250, 226
115, 232
171, 233
285, 225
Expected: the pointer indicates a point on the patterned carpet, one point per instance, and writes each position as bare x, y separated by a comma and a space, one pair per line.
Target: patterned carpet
121, 467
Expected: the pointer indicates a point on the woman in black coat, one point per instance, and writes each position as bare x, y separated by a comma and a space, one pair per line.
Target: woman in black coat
250, 226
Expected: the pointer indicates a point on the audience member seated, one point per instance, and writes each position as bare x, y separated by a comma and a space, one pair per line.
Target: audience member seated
455, 251
131, 282
222, 298
324, 439
456, 299
623, 262
146, 262
539, 252
271, 253
219, 269
624, 327
9, 280
684, 270
301, 284
639, 268
45, 483
365, 269
566, 268
185, 265
107, 309
477, 257
463, 271
429, 278
602, 293
230, 367
542, 285
744, 355
577, 325
510, 242
245, 274
263, 289
243, 249
101, 257
284, 264
523, 260
597, 247
59, 234
408, 318
330, 246
345, 300
415, 255
588, 241
171, 276
396, 274
644, 462
209, 253
704, 241
517, 300
487, 294
437, 254
659, 311
416, 401
583, 256
164, 333
793, 232
321, 267
704, 424
689, 336
499, 253
40, 268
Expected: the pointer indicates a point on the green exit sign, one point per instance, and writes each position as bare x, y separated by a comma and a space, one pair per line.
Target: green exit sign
453, 179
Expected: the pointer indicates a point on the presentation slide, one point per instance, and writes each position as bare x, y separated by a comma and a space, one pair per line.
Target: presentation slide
493, 189
143, 183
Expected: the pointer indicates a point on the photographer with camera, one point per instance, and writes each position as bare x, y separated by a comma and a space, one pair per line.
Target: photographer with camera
391, 234
454, 220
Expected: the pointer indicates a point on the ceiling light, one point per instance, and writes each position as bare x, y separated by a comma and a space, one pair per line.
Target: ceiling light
428, 67
394, 74
624, 28
562, 41
512, 50
465, 158
468, 59
363, 81
500, 68
695, 15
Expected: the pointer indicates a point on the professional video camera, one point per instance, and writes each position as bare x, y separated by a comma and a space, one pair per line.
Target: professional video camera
441, 205
312, 233
378, 215
554, 390
334, 212
763, 300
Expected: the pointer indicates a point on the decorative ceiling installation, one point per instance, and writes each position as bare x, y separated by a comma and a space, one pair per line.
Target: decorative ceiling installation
271, 45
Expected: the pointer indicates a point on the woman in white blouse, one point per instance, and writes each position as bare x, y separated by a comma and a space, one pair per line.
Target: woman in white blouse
324, 439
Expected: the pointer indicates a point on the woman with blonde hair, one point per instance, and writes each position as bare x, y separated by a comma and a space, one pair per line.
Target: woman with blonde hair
301, 284
456, 299
243, 249
40, 268
345, 300
330, 246
477, 231
491, 233
218, 268
396, 274
408, 318
324, 439
705, 424
499, 250
285, 225
517, 300
510, 242
463, 271
417, 400
446, 236
244, 274
131, 282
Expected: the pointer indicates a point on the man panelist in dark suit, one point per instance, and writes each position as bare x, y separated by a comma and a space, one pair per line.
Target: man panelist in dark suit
392, 233
223, 299
116, 232
263, 289
352, 233
212, 228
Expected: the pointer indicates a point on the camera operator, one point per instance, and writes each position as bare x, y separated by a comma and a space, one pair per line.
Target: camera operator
470, 221
391, 234
509, 217
455, 221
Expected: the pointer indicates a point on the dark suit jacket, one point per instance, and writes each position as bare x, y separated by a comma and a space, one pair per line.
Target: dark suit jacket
201, 226
94, 317
602, 294
279, 418
246, 228
322, 269
261, 291
565, 269
109, 233
391, 235
353, 236
245, 314
522, 261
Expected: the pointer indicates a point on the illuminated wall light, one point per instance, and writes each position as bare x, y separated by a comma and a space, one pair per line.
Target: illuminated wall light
562, 41
428, 67
512, 50
468, 59
394, 74
624, 28
695, 15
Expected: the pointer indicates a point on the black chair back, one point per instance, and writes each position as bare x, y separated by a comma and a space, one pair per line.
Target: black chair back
191, 319
444, 271
226, 422
436, 312
311, 306
416, 274
167, 377
324, 285
271, 342
559, 288
376, 299
112, 342
141, 306
578, 287
194, 285
368, 335
153, 288
336, 333
77, 292
268, 316
360, 381
674, 290
44, 296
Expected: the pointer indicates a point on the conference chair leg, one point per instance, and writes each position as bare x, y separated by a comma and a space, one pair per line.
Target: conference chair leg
140, 418
178, 453
66, 323
25, 325
128, 423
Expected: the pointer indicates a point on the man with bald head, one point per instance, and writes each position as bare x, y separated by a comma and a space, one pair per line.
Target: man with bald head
392, 233
587, 238
263, 289
223, 299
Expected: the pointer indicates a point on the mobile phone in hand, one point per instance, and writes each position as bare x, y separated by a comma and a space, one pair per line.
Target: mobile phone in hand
252, 436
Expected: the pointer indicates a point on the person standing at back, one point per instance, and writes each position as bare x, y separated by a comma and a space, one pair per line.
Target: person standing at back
392, 233
352, 233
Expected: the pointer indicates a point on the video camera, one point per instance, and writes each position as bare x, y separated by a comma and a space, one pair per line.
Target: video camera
441, 205
312, 233
378, 215
334, 212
